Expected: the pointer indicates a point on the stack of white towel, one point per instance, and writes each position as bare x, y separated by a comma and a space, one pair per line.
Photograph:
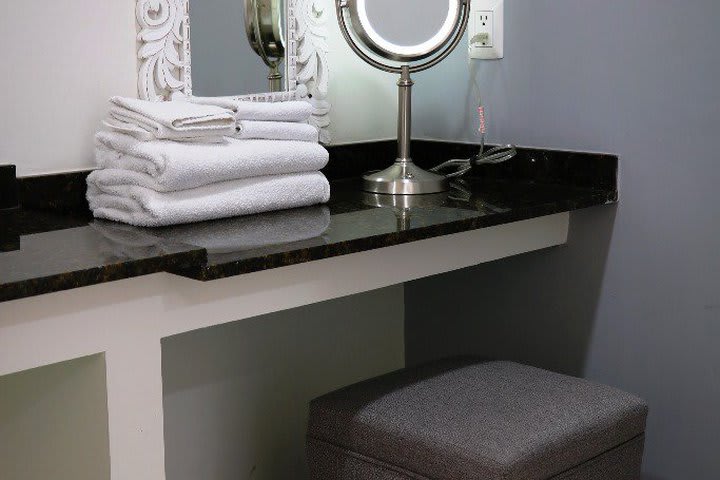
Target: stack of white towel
167, 163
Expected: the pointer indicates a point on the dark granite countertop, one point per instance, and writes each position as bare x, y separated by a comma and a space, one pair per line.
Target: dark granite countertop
54, 244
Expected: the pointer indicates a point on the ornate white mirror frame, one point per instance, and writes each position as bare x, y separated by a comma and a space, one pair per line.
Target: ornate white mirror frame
164, 58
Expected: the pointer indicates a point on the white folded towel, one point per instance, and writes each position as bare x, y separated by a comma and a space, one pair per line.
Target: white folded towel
175, 166
301, 132
114, 125
144, 207
292, 111
169, 120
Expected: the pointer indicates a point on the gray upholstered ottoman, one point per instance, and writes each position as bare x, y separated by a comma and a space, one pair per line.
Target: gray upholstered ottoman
466, 419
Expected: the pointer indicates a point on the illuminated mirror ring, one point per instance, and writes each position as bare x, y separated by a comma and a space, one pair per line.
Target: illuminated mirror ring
402, 53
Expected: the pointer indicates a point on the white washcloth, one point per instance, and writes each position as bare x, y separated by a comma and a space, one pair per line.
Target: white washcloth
115, 125
178, 166
301, 132
292, 111
169, 120
144, 207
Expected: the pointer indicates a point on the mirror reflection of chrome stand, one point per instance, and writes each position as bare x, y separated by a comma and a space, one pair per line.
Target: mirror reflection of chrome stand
403, 205
263, 25
404, 177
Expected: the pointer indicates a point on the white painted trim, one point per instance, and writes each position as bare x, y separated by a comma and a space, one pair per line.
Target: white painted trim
135, 408
163, 48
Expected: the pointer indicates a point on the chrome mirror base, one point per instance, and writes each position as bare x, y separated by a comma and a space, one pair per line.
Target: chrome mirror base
404, 178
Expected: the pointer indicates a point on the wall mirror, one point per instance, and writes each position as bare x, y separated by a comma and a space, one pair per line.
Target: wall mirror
231, 47
238, 47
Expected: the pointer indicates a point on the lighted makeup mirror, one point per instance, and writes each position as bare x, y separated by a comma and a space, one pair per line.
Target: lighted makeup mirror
396, 39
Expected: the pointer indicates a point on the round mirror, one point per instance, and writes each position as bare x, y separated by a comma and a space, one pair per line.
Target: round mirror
405, 30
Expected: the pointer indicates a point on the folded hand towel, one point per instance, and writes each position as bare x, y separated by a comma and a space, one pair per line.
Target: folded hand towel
226, 236
292, 111
178, 166
115, 125
141, 206
169, 120
301, 132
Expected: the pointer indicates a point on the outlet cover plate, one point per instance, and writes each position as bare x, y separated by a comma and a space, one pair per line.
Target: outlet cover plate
493, 28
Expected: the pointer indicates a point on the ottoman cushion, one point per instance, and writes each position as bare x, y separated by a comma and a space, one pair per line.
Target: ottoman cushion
466, 419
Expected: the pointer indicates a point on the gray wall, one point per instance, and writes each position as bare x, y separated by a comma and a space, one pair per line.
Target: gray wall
53, 422
634, 299
223, 63
236, 395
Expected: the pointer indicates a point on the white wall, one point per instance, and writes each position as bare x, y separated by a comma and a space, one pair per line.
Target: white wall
364, 100
63, 59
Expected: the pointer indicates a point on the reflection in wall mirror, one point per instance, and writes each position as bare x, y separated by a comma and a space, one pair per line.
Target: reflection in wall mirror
264, 26
238, 46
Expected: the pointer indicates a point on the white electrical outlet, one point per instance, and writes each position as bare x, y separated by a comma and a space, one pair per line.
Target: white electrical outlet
485, 29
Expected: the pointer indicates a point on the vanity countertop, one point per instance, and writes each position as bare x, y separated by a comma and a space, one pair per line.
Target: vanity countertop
54, 244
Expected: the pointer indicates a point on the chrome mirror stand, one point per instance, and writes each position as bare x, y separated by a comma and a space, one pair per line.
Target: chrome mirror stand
404, 177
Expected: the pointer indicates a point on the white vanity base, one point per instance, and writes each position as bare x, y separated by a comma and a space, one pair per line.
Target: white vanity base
127, 319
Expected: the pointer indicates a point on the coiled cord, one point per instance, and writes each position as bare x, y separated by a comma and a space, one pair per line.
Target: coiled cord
458, 167
463, 165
